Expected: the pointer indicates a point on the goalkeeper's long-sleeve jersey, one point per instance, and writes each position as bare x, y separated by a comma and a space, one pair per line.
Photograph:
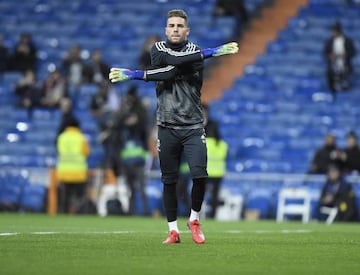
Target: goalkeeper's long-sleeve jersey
178, 72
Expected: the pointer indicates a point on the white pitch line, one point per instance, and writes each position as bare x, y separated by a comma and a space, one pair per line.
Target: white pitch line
59, 232
44, 233
285, 231
292, 231
296, 231
8, 233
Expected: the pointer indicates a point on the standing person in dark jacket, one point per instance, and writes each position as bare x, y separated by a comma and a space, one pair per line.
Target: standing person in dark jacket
177, 69
4, 55
326, 155
351, 154
133, 136
24, 56
217, 150
338, 51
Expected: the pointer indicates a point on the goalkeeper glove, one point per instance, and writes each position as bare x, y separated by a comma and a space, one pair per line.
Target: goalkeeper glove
121, 74
229, 48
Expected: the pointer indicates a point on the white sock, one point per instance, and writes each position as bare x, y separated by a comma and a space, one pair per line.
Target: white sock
173, 226
194, 215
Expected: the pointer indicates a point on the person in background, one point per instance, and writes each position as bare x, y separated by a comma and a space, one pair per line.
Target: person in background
236, 9
97, 70
4, 55
71, 168
74, 67
104, 103
326, 155
103, 106
217, 150
339, 51
28, 92
144, 58
67, 117
54, 89
351, 154
338, 193
24, 56
132, 130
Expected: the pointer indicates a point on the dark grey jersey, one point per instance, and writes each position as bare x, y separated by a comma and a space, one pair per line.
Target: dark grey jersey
178, 72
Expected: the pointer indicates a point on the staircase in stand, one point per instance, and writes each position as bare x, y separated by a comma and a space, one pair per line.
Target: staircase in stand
253, 42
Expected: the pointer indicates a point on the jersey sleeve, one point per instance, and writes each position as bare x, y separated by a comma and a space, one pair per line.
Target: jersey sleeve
164, 73
165, 62
167, 56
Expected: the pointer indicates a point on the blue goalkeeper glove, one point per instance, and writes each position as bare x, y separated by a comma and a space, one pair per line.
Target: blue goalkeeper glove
229, 48
121, 74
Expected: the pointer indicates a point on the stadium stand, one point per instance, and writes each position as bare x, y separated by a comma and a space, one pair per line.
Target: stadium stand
273, 117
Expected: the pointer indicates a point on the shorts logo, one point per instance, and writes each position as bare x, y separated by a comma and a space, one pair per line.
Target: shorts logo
203, 139
158, 145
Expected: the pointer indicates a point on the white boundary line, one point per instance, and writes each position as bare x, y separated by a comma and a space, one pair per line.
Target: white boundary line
8, 233
284, 231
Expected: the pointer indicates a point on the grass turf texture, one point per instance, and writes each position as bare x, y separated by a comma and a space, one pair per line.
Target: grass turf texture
124, 245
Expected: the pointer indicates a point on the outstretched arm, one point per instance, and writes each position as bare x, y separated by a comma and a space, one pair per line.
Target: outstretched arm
160, 74
170, 57
172, 60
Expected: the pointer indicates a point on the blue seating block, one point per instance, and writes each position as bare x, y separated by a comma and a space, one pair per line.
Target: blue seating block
33, 198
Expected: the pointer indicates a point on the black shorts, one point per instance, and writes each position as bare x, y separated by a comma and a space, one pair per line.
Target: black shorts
172, 143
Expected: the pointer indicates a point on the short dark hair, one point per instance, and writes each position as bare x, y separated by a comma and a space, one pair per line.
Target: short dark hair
178, 13
337, 27
352, 134
73, 122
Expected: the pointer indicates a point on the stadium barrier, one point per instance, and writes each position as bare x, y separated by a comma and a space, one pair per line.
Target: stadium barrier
259, 189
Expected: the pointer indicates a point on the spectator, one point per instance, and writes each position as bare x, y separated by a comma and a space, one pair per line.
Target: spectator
324, 156
338, 193
103, 105
144, 58
3, 56
24, 56
338, 51
28, 92
54, 90
67, 115
216, 166
74, 67
98, 70
71, 169
351, 155
235, 8
131, 126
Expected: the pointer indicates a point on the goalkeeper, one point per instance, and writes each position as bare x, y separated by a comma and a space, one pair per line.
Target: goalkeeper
177, 69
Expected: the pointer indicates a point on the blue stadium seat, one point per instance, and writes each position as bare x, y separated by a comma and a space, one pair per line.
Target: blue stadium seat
260, 200
11, 187
33, 198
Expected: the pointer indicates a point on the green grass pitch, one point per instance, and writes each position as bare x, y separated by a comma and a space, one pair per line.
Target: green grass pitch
40, 244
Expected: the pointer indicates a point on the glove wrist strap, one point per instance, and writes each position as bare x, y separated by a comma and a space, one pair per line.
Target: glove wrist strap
138, 74
207, 52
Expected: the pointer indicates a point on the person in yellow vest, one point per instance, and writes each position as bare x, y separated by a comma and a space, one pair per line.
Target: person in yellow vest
217, 150
71, 169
